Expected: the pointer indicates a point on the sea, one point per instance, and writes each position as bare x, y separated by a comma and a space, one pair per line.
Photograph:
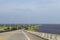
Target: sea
50, 28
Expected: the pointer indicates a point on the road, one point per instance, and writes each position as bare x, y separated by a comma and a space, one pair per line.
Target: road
19, 35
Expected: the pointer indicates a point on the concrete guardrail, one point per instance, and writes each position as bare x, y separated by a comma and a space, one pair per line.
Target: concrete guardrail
47, 35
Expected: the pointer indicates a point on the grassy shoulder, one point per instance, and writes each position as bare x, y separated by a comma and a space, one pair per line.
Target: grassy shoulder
31, 28
5, 29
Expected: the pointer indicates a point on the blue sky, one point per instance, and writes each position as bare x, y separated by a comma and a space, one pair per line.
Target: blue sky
30, 11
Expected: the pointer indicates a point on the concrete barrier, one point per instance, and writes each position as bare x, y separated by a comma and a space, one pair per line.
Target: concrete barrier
47, 35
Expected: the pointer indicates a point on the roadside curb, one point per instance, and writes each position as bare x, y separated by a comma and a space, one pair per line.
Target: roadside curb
35, 33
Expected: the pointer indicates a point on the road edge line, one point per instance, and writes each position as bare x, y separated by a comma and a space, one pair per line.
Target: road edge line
25, 35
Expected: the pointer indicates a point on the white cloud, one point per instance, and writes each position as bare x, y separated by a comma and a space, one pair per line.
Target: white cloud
32, 6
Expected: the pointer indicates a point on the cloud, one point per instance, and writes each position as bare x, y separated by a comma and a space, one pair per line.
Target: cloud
30, 11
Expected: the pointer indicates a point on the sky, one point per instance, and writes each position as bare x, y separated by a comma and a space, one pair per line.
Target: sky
29, 11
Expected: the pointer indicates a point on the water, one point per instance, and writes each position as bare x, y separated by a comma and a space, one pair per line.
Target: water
50, 28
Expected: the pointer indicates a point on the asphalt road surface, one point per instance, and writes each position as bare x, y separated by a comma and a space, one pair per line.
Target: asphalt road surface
19, 35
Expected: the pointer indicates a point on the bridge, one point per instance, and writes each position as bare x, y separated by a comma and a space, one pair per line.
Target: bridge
26, 35
19, 35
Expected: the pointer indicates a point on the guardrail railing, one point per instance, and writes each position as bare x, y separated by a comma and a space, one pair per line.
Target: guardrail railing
47, 35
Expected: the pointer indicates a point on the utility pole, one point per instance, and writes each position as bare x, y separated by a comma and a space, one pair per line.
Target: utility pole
10, 27
17, 27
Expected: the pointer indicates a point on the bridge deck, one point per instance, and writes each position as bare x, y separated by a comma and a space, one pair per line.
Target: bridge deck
19, 35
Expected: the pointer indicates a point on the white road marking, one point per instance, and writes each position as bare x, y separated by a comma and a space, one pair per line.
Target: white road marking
26, 35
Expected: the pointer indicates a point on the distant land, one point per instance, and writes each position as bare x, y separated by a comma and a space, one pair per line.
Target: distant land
47, 28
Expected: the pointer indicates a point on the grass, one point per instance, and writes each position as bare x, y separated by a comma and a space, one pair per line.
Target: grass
3, 28
32, 28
